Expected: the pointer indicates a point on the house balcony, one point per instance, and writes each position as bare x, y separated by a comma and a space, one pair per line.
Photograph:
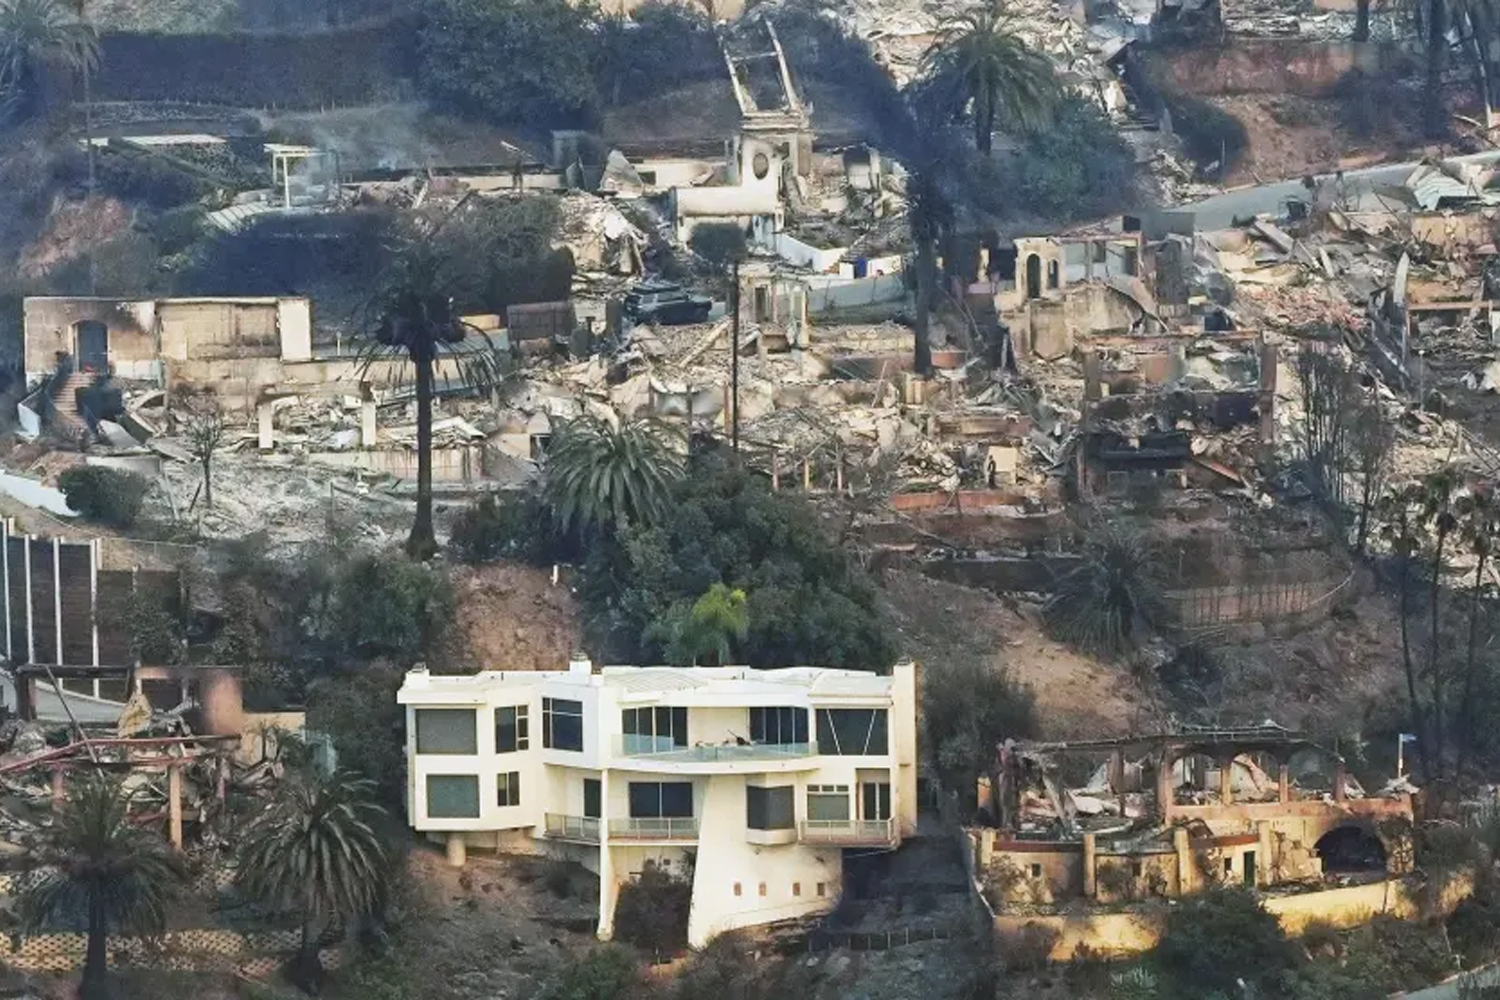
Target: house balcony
665, 829
579, 829
646, 753
849, 832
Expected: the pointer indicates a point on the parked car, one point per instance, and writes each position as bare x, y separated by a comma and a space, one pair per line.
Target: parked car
665, 302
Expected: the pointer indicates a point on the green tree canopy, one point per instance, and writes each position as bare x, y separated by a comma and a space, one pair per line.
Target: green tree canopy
806, 601
518, 61
709, 627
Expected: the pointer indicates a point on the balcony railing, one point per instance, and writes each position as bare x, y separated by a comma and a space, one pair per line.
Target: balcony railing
582, 828
666, 828
663, 749
847, 831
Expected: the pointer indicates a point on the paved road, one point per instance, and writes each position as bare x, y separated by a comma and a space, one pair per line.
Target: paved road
1220, 211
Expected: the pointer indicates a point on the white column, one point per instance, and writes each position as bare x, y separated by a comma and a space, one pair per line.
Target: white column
608, 889
57, 599
96, 549
10, 650
30, 621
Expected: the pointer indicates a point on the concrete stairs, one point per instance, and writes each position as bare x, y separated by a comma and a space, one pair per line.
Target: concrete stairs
66, 418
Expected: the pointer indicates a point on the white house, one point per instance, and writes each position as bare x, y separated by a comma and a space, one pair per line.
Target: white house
754, 780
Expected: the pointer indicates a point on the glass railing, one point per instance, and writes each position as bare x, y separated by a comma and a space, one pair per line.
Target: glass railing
665, 828
664, 749
847, 831
584, 828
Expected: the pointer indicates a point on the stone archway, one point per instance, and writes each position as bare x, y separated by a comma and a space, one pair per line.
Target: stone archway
1351, 848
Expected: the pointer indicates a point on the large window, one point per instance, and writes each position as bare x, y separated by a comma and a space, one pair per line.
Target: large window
778, 725
654, 729
562, 724
453, 796
769, 808
447, 730
827, 803
852, 732
661, 799
512, 729
508, 785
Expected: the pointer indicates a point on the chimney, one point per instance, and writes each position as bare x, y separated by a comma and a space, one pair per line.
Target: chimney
580, 663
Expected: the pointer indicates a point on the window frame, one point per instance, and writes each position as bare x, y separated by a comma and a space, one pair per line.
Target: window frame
876, 741
508, 786
771, 807
660, 800
520, 726
427, 796
779, 721
473, 744
550, 715
663, 727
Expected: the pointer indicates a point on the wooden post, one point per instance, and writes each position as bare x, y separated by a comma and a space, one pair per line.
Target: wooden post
1283, 784
806, 476
57, 787
174, 805
1226, 780
222, 779
775, 472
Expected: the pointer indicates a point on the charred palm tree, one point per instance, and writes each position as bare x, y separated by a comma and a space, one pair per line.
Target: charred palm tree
1113, 596
417, 319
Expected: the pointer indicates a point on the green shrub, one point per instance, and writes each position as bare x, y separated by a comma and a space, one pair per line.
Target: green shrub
145, 178
1216, 940
652, 912
107, 496
1474, 925
605, 973
386, 605
510, 525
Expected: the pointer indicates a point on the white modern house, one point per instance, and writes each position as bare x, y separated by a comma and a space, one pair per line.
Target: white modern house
756, 781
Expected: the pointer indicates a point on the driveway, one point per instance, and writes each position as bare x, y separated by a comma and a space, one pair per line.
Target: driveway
1220, 211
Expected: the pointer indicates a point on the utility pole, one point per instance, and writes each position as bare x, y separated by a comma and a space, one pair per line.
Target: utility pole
734, 357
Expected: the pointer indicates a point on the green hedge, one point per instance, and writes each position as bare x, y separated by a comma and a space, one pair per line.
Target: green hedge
312, 70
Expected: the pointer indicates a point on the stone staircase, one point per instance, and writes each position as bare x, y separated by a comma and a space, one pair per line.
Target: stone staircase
66, 418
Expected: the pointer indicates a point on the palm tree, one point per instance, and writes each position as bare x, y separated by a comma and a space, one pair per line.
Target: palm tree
105, 869
978, 61
1115, 591
929, 216
1438, 513
1400, 526
313, 852
37, 36
417, 319
709, 627
598, 475
1479, 521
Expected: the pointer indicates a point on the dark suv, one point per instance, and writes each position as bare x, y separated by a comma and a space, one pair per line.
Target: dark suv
665, 302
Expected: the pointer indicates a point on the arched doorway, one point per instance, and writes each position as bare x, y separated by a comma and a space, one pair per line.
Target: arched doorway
91, 344
1033, 276
1351, 848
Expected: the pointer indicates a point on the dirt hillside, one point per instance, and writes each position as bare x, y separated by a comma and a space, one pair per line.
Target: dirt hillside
511, 617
